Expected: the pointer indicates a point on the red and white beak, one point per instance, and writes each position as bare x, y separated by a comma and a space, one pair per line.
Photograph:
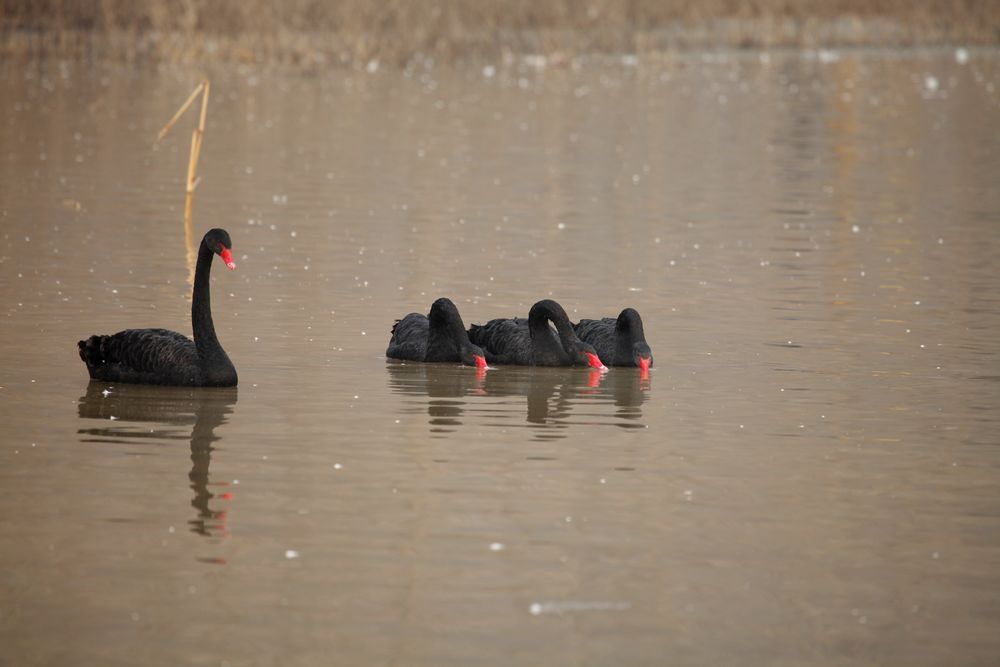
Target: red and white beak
227, 257
595, 362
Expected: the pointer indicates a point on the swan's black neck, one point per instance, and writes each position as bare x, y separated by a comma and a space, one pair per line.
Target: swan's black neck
446, 334
628, 332
539, 316
629, 327
201, 307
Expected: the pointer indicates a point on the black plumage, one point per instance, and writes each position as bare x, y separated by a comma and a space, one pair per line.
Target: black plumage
532, 342
619, 342
160, 356
438, 336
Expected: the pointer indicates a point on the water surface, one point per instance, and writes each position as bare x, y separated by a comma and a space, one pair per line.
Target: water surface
808, 477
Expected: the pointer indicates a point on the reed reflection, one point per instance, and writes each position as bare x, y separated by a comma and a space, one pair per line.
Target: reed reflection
557, 398
203, 409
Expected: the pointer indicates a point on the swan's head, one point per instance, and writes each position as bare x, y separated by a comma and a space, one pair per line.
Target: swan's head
642, 356
473, 355
217, 240
584, 354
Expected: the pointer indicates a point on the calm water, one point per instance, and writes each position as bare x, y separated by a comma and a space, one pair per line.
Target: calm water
809, 476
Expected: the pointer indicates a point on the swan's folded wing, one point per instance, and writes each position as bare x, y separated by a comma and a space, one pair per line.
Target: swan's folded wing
409, 338
505, 341
600, 334
156, 351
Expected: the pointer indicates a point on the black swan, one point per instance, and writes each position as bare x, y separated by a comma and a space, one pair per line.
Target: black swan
160, 356
532, 342
619, 342
438, 336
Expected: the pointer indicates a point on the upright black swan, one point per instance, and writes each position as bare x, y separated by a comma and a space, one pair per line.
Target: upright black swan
160, 356
619, 342
438, 336
531, 342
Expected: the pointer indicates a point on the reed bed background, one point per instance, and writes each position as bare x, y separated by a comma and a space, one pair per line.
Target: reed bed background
397, 31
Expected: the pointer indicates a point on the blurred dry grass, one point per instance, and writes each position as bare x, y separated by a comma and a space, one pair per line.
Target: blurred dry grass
395, 31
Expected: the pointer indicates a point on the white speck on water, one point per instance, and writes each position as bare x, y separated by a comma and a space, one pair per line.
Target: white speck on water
171, 529
916, 303
337, 466
961, 55
291, 554
566, 606
113, 418
931, 83
935, 555
826, 56
372, 66
604, 480
855, 228
569, 519
497, 546
106, 393
489, 71
561, 225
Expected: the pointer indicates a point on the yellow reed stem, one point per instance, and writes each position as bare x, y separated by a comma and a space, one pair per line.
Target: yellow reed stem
184, 107
192, 171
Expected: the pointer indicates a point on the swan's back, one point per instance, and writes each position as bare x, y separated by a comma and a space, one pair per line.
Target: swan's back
599, 333
504, 340
409, 338
145, 356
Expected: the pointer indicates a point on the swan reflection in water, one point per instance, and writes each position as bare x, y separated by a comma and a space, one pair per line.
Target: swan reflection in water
557, 398
203, 409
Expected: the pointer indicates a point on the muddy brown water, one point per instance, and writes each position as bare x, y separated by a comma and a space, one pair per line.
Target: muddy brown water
808, 477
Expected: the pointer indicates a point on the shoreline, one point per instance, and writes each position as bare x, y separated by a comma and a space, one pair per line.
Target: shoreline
310, 49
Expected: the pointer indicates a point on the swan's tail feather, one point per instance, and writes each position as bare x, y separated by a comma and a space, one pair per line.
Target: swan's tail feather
92, 350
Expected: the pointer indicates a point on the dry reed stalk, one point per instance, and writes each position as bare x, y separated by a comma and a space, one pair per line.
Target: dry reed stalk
197, 136
184, 107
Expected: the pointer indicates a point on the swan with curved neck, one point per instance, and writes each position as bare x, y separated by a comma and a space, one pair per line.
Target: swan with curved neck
439, 336
619, 342
532, 342
161, 356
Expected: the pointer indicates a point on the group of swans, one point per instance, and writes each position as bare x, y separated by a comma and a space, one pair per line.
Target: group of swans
545, 338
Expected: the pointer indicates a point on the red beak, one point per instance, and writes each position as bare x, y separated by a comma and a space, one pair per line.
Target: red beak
227, 257
644, 364
481, 362
595, 362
